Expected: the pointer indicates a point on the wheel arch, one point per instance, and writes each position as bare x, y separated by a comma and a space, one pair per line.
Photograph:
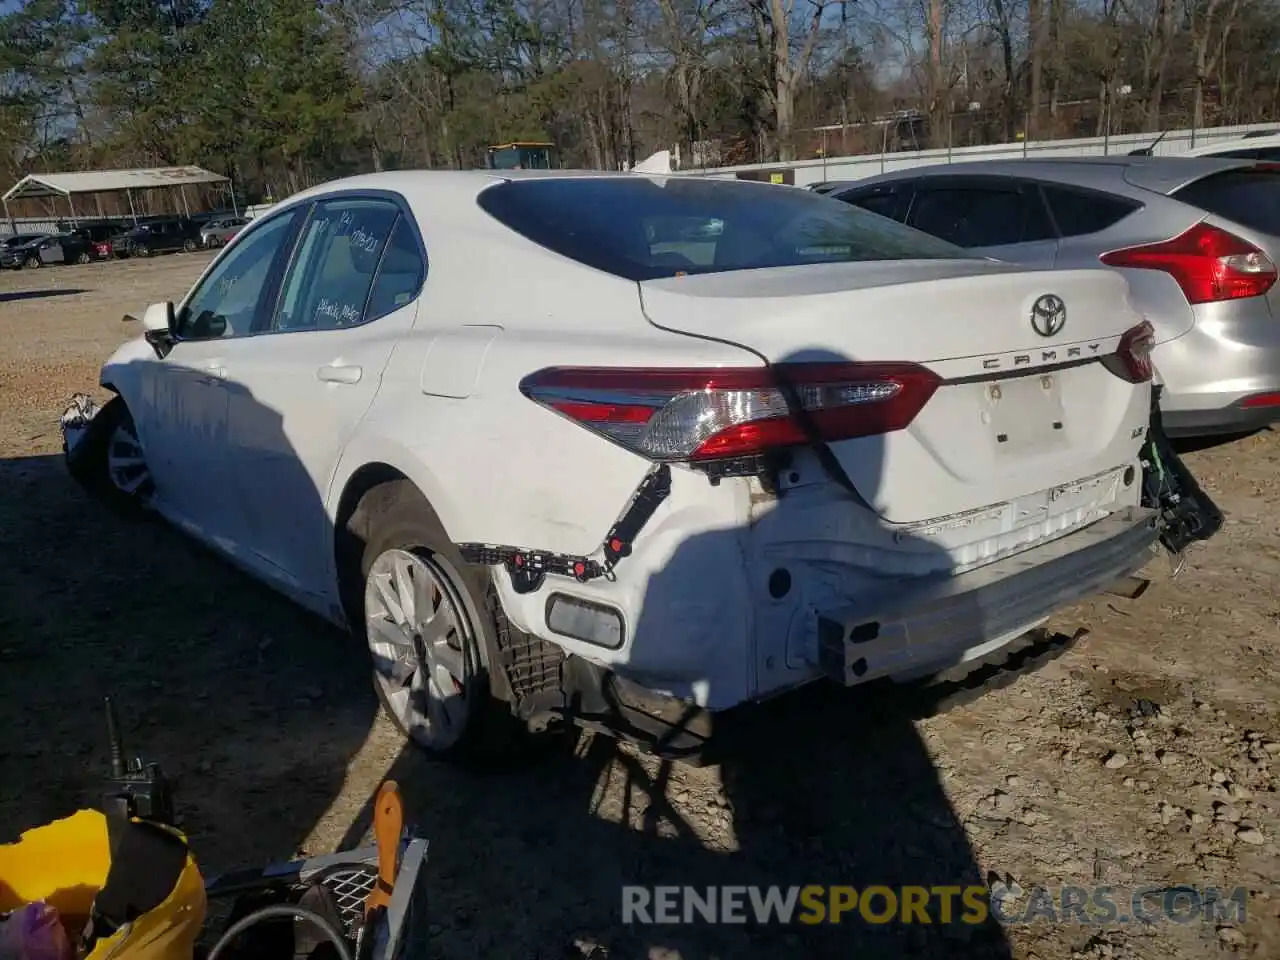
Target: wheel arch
359, 473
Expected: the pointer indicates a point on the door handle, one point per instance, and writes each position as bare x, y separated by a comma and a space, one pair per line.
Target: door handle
340, 373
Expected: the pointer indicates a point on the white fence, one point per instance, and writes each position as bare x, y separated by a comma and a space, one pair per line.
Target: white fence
854, 168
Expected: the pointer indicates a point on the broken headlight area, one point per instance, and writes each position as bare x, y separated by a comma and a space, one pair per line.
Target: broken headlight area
1187, 514
76, 423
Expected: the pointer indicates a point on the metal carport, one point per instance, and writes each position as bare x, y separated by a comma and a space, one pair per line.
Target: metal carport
50, 186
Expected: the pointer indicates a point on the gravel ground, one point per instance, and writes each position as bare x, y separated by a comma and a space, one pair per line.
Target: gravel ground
1144, 756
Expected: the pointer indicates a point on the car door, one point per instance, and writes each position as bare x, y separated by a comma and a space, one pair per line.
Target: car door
298, 394
167, 236
182, 413
1003, 218
50, 251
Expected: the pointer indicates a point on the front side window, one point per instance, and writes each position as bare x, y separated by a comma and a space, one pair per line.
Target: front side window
230, 298
644, 228
329, 282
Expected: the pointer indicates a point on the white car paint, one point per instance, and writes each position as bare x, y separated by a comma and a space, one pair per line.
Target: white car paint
1226, 147
253, 439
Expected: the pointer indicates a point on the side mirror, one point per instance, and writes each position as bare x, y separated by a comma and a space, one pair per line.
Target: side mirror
157, 328
158, 318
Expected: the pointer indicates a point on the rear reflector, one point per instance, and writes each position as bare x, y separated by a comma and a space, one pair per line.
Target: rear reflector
593, 623
1208, 263
683, 414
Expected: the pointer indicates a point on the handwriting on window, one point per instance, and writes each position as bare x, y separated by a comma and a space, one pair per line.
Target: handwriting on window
365, 240
337, 312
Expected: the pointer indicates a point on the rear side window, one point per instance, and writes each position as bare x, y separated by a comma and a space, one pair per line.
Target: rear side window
643, 228
1249, 197
400, 274
978, 217
1081, 212
332, 274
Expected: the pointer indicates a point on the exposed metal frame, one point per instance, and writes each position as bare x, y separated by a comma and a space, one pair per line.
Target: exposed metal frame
50, 186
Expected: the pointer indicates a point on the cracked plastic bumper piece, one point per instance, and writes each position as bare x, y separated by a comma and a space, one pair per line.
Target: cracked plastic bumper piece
943, 623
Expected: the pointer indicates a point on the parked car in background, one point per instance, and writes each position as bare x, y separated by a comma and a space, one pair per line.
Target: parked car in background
21, 250
1197, 238
217, 232
1266, 146
88, 242
160, 235
762, 439
34, 250
103, 238
77, 247
98, 236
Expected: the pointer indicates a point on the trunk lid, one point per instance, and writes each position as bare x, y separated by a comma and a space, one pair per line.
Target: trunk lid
1022, 413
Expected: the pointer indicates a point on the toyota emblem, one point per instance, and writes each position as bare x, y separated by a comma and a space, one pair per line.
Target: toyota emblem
1048, 315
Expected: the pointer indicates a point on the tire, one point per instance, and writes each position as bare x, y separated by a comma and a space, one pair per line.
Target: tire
141, 251
189, 246
434, 684
83, 259
33, 262
109, 461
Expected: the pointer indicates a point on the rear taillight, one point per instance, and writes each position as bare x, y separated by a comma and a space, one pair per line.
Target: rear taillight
1259, 400
710, 414
1208, 263
1133, 355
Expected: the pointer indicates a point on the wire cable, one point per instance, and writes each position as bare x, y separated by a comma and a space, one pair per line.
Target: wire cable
279, 911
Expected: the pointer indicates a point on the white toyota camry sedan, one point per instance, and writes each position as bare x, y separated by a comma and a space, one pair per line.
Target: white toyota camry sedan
631, 449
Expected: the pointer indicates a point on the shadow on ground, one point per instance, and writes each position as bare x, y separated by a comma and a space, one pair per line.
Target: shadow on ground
1212, 441
260, 710
254, 706
38, 294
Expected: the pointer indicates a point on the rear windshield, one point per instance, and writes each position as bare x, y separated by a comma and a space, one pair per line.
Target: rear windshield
1249, 197
643, 228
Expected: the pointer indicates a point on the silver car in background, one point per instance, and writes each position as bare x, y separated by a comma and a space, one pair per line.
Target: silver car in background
217, 232
1197, 238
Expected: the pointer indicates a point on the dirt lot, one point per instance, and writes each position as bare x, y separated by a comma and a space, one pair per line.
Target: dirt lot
267, 718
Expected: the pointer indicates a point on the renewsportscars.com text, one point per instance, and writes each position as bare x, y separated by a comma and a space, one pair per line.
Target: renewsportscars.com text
973, 904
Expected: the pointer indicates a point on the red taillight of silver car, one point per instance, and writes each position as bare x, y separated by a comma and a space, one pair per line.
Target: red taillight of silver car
1209, 264
711, 414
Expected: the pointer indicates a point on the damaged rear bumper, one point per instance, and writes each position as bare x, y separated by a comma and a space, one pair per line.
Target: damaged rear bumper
951, 621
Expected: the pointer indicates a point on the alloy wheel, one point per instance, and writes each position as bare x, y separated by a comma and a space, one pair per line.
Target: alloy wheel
422, 645
126, 465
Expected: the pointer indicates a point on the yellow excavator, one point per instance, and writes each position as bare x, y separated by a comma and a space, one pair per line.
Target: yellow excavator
523, 155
